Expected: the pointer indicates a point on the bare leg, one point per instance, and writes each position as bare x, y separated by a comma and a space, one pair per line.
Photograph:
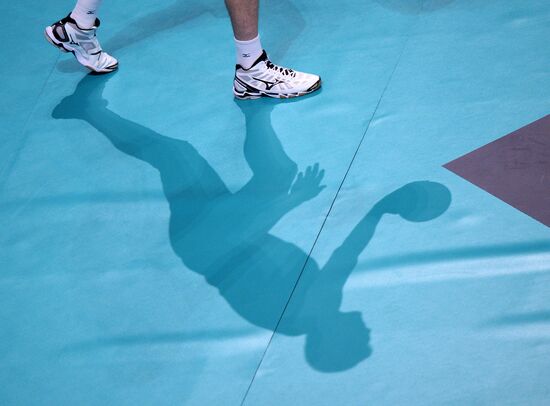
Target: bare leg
244, 18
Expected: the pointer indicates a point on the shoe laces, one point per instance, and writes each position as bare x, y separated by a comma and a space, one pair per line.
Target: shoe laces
280, 69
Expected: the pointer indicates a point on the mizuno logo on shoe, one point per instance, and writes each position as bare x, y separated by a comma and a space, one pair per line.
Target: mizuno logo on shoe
261, 80
268, 85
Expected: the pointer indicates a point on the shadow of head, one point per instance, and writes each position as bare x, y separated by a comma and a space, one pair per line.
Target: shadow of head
344, 343
417, 201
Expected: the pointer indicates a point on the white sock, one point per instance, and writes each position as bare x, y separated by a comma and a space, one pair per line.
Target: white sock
84, 12
248, 51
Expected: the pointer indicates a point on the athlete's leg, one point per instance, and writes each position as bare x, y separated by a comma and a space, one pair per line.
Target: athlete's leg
244, 18
84, 12
76, 33
255, 74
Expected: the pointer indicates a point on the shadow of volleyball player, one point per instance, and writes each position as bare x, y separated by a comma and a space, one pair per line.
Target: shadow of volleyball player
225, 236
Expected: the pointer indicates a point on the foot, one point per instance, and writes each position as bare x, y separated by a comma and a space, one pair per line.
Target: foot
69, 37
265, 79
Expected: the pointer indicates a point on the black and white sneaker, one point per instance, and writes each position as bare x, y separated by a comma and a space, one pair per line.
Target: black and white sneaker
265, 79
69, 37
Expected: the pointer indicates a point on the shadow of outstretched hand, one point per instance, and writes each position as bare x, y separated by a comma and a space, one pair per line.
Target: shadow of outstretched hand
308, 184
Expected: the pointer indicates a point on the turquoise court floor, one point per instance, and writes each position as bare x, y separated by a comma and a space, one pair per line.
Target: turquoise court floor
158, 246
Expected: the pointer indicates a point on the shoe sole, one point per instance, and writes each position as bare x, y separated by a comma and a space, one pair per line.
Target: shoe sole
59, 45
252, 94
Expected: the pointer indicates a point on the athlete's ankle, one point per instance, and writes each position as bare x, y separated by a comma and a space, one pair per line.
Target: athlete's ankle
248, 51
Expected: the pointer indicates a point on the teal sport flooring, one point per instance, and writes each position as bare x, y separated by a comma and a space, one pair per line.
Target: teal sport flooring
163, 244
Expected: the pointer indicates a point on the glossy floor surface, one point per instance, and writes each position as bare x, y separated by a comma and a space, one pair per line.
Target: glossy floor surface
163, 244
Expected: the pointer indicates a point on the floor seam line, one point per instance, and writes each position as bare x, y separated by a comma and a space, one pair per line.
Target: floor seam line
373, 115
24, 134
